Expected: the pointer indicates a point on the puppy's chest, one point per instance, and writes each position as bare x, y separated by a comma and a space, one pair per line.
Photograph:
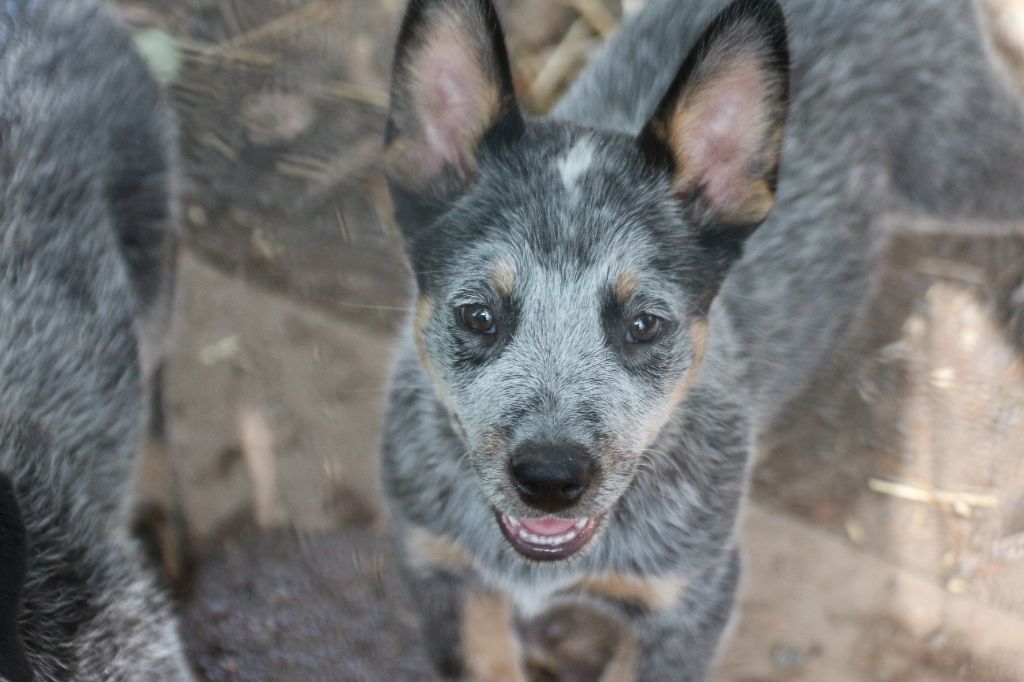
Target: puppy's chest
651, 593
533, 598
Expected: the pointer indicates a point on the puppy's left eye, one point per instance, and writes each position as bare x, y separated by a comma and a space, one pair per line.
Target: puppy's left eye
478, 318
643, 329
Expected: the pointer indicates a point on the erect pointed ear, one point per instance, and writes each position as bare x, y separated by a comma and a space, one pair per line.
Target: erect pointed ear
451, 94
13, 556
722, 119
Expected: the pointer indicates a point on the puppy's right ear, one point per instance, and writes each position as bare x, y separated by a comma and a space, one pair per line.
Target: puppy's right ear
451, 97
13, 558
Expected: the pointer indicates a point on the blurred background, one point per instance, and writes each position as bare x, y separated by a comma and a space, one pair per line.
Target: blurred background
885, 532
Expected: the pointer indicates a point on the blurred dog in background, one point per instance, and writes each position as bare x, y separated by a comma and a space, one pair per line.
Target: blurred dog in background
86, 213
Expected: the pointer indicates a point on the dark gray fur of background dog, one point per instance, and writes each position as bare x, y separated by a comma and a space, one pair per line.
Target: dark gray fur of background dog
86, 174
896, 106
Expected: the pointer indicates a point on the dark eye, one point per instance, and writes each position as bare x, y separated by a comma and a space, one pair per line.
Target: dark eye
643, 329
478, 318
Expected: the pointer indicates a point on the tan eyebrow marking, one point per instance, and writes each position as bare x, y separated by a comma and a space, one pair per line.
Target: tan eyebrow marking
503, 274
626, 285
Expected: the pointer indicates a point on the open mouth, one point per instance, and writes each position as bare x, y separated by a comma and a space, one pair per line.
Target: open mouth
548, 538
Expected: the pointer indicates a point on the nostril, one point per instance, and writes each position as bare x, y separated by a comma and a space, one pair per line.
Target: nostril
572, 491
525, 489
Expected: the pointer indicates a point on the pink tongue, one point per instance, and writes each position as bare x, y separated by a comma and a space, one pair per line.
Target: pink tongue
547, 526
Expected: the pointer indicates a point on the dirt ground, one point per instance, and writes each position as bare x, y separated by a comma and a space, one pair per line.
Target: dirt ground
884, 535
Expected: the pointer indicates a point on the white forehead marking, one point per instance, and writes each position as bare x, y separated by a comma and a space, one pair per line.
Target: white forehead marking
576, 162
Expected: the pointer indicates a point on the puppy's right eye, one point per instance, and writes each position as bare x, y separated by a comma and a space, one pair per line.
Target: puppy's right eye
478, 319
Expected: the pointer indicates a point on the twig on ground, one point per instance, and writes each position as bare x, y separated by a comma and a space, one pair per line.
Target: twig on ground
595, 14
560, 64
924, 493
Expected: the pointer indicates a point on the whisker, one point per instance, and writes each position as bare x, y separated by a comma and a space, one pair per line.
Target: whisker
382, 389
371, 306
704, 417
651, 452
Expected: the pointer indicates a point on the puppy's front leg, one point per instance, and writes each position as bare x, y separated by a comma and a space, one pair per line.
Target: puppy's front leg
675, 624
468, 628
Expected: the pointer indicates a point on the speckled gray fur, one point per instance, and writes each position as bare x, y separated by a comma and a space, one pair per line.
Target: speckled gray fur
85, 216
896, 106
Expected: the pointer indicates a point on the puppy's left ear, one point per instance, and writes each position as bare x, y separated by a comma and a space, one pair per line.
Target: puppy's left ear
722, 120
451, 95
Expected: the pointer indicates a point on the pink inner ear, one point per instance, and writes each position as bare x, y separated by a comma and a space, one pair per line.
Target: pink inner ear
721, 128
453, 103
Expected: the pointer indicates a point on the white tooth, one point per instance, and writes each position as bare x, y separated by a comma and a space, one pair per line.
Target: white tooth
513, 520
566, 538
523, 533
580, 524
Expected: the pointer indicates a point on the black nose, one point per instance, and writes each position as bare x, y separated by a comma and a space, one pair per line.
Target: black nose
551, 478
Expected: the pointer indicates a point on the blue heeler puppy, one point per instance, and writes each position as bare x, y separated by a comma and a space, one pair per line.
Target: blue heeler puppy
614, 302
85, 219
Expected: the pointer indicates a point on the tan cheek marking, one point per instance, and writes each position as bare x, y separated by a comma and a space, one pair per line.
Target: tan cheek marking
622, 667
424, 310
436, 551
492, 652
699, 342
625, 286
503, 275
654, 593
610, 451
494, 444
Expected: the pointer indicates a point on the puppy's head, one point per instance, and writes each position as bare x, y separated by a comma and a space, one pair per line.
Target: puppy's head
565, 273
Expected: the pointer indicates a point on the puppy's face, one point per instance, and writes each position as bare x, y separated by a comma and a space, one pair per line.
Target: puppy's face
565, 273
562, 321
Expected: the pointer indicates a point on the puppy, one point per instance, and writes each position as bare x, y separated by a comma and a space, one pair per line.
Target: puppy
614, 302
